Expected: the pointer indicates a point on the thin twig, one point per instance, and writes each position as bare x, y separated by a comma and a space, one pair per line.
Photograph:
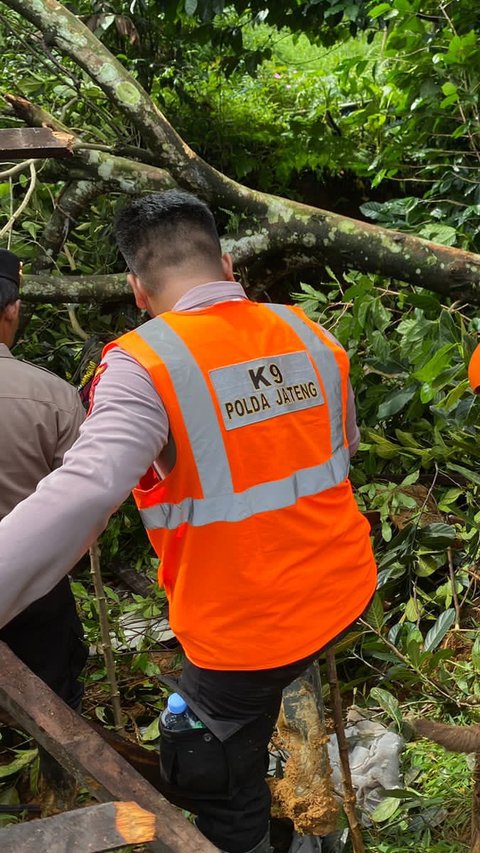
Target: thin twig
76, 327
430, 681
10, 188
451, 572
14, 170
349, 799
23, 205
105, 634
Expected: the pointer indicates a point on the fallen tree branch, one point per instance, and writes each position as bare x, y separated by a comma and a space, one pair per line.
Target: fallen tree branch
71, 288
128, 176
278, 225
72, 202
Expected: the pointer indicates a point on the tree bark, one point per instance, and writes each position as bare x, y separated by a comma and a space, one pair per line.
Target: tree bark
280, 230
72, 201
71, 288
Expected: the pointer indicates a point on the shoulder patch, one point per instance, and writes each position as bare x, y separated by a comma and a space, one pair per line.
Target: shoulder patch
93, 384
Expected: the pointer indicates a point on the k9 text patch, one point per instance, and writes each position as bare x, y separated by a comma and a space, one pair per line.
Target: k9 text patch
265, 388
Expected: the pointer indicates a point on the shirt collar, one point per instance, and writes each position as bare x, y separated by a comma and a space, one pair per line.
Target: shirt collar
209, 294
5, 352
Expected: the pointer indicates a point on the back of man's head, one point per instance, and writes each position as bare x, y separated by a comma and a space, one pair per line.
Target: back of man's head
10, 266
161, 233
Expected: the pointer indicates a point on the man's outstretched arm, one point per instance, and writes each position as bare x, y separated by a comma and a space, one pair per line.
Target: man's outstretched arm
46, 534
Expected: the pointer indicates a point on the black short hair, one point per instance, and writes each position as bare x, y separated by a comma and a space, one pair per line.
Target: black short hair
10, 266
164, 229
8, 293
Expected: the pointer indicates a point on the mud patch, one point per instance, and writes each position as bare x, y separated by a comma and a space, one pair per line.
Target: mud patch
304, 794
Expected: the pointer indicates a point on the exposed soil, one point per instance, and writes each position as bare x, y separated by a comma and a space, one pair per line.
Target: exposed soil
304, 794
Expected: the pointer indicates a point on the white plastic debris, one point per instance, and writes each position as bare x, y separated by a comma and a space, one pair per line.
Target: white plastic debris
374, 755
334, 843
135, 629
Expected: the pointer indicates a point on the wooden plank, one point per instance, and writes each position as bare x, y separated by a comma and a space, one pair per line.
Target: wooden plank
89, 830
21, 143
86, 756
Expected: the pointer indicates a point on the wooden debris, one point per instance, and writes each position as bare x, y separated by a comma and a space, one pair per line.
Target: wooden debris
83, 753
90, 830
20, 143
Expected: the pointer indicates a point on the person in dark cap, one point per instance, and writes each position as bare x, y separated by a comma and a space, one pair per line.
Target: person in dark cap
40, 416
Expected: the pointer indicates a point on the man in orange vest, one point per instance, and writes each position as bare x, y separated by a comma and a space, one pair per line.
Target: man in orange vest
234, 422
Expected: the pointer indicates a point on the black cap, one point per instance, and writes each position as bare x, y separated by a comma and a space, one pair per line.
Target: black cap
10, 266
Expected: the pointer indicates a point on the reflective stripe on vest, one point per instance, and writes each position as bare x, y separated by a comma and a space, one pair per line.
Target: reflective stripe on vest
220, 501
237, 506
327, 368
193, 396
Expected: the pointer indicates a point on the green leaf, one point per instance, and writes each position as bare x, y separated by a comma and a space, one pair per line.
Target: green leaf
388, 703
395, 402
441, 233
410, 479
425, 566
385, 810
22, 760
9, 797
412, 610
152, 732
379, 10
476, 654
466, 472
449, 88
375, 616
436, 364
439, 630
413, 652
437, 535
191, 6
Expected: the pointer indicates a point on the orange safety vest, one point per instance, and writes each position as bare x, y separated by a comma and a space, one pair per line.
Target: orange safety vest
474, 370
264, 554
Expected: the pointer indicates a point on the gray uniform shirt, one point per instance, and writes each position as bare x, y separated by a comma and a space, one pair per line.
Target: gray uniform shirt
46, 534
40, 416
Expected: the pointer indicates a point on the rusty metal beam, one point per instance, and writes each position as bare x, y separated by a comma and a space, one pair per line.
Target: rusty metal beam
89, 830
86, 756
21, 143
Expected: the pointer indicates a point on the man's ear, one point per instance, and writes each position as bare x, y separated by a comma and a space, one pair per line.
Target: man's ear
12, 312
141, 298
227, 265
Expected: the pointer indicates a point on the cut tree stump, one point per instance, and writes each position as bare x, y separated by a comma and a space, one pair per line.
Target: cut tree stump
82, 752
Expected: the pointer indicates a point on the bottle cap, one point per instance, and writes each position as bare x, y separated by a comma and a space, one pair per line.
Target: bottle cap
175, 704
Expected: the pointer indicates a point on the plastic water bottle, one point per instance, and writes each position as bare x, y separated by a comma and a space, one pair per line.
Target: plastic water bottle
178, 717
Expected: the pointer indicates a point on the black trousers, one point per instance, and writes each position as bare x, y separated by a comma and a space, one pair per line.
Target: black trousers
218, 773
48, 637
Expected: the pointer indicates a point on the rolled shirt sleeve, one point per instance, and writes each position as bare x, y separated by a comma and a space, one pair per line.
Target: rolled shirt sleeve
121, 438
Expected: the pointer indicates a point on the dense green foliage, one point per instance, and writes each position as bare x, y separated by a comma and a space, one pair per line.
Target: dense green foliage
347, 105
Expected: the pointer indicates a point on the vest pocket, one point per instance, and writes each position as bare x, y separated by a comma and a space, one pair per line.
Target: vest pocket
195, 762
